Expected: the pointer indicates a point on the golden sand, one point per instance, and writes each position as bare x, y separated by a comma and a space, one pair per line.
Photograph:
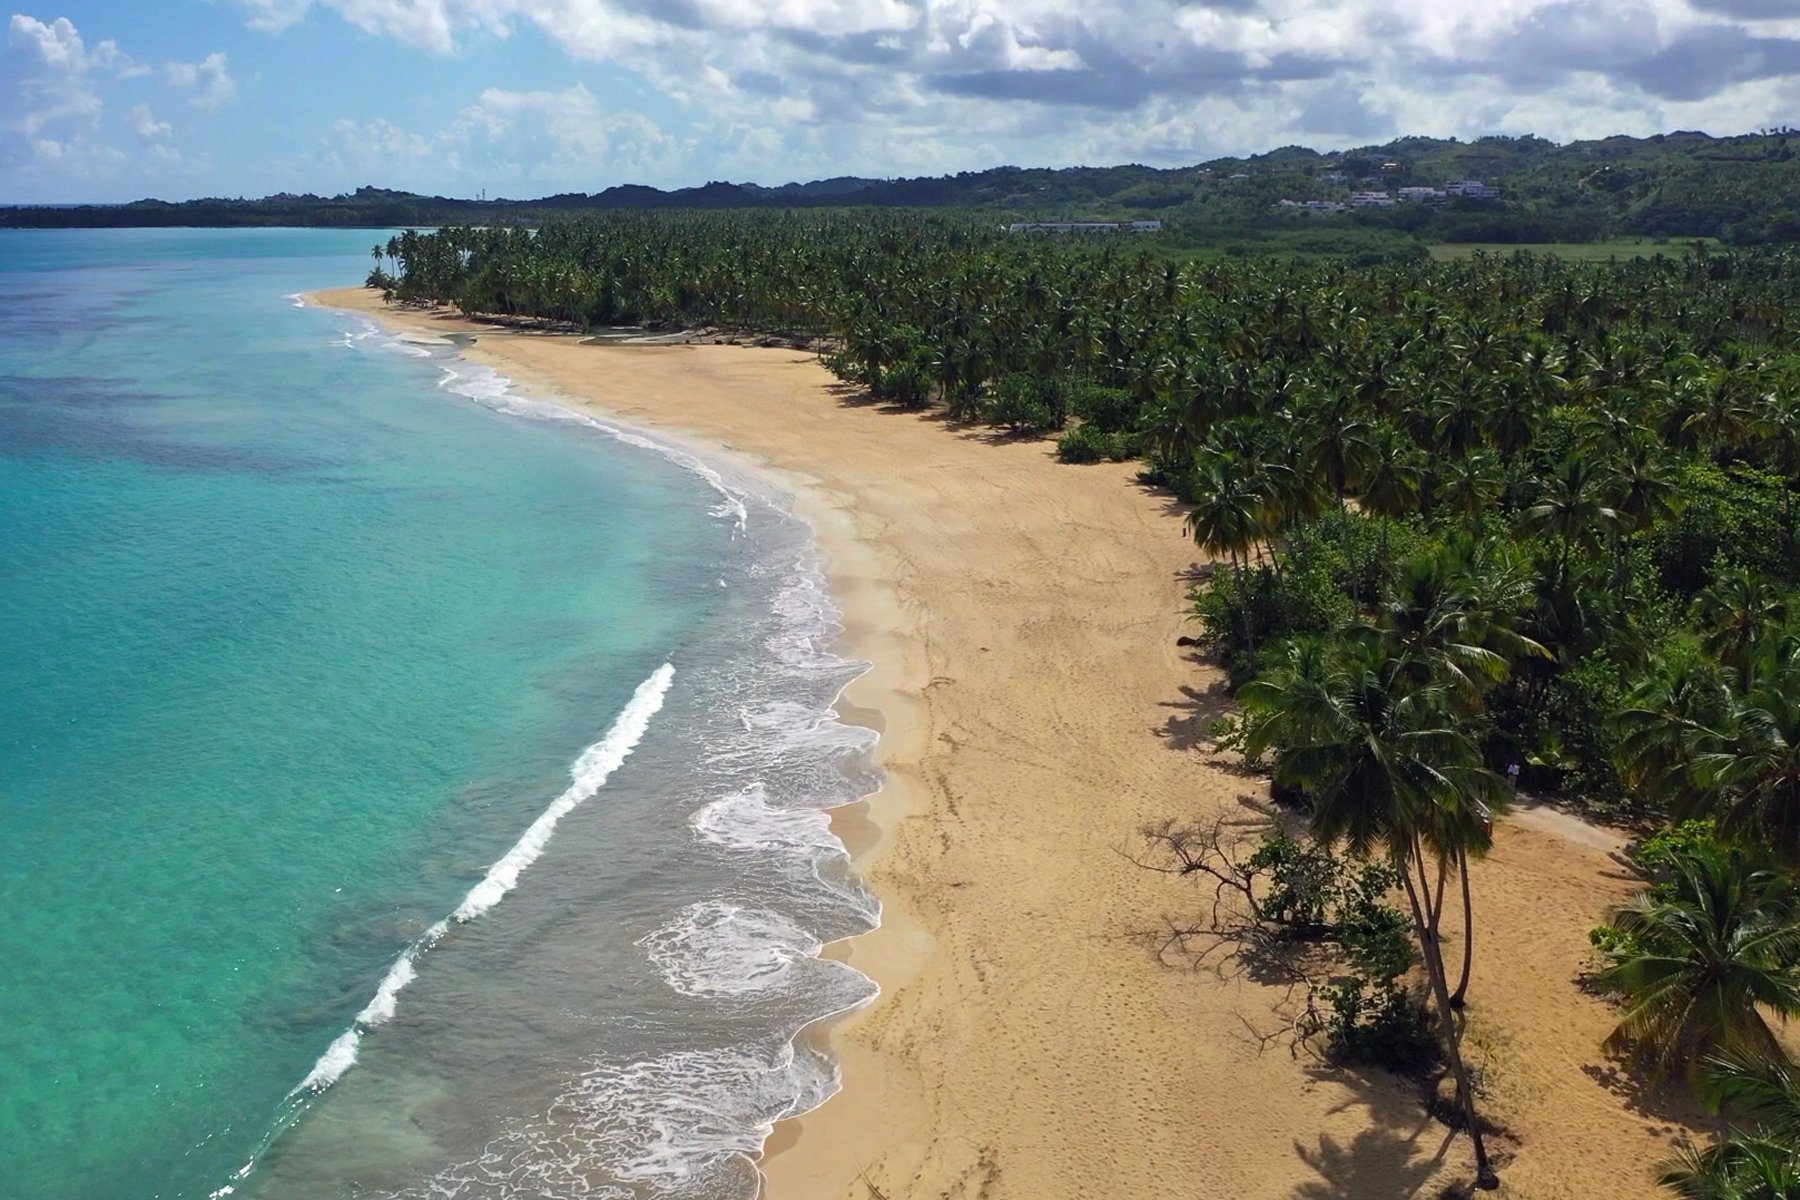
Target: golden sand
1029, 1044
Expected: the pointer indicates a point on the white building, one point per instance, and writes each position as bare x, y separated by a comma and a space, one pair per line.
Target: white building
1420, 195
1084, 227
1472, 189
1371, 200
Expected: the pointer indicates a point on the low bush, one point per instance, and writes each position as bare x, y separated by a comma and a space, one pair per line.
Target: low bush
1087, 444
1024, 403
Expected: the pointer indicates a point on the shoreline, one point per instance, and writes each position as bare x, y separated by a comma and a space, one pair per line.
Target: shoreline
1027, 1041
871, 631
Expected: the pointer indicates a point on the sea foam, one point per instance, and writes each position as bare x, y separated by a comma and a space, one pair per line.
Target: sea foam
589, 774
682, 1124
745, 820
664, 1122
717, 948
488, 387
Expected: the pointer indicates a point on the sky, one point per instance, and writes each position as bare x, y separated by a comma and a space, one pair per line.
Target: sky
107, 100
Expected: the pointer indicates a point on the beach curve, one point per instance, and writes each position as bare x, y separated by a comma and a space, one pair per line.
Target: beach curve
1021, 618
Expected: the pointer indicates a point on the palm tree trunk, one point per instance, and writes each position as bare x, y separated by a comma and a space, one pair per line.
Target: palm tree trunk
1380, 591
1468, 948
1787, 521
1485, 1178
1243, 597
1436, 910
1344, 523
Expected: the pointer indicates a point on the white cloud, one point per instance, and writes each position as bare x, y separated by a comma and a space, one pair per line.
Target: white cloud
565, 136
1059, 81
372, 149
209, 80
49, 107
143, 122
275, 15
544, 140
56, 46
53, 98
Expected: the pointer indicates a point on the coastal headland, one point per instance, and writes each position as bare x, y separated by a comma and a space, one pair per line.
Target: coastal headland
1036, 714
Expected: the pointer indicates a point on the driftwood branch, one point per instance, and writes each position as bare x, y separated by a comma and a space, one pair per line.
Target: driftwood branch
1220, 851
1236, 938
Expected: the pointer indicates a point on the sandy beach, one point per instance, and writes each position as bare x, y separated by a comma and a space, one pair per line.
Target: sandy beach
1036, 713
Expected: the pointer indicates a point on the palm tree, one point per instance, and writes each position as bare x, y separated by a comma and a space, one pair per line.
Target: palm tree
1532, 380
1391, 479
1700, 961
1435, 636
1389, 771
1750, 779
1457, 421
1643, 486
1723, 418
1338, 447
1451, 625
1468, 486
1738, 1168
1642, 491
1736, 612
1669, 722
1572, 506
1765, 1091
1777, 429
1227, 520
1179, 423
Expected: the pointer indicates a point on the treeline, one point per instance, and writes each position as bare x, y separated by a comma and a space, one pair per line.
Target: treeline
1683, 185
1508, 521
366, 208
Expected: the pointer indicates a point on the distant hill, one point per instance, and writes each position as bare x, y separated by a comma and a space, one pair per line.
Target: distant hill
1682, 184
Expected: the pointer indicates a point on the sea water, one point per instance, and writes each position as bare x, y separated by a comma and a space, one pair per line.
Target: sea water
407, 788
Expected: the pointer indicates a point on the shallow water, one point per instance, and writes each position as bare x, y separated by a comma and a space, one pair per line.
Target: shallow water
371, 725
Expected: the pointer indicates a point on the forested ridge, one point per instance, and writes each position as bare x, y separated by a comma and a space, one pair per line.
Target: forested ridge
1680, 185
1504, 522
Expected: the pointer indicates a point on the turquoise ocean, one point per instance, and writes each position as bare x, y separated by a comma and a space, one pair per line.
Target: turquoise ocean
407, 788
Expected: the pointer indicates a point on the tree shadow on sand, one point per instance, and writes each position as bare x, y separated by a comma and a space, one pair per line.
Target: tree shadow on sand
852, 395
1401, 1153
1172, 504
1186, 727
1665, 1100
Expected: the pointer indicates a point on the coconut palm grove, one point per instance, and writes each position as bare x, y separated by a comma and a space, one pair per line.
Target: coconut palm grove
1510, 522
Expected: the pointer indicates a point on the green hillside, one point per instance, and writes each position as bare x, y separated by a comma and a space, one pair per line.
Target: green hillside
1741, 190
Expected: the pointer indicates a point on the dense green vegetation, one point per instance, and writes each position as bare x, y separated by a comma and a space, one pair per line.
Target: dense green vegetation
1510, 512
1670, 186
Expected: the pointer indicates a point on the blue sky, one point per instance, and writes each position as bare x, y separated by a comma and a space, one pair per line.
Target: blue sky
104, 100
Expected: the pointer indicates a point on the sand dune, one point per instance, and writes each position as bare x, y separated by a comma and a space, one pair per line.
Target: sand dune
1029, 1043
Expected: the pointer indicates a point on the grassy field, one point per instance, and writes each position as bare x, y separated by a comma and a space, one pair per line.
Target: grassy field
1575, 251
